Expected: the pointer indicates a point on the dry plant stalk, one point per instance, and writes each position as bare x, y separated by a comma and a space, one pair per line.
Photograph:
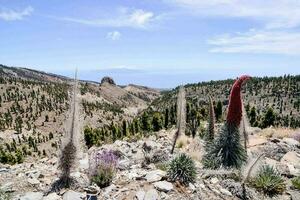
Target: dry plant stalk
181, 115
211, 123
246, 177
244, 127
68, 153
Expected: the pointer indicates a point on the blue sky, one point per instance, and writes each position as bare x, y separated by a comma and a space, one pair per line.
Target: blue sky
160, 43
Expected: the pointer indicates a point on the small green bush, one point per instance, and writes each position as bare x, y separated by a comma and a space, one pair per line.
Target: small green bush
182, 168
104, 177
4, 196
296, 182
162, 166
269, 181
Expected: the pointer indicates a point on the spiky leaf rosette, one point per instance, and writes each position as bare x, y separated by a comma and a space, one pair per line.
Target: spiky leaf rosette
227, 148
182, 168
269, 181
296, 182
226, 151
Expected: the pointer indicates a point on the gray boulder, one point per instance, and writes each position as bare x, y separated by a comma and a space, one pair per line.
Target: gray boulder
32, 196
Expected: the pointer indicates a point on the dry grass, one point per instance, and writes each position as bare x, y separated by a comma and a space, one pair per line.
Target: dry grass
277, 132
183, 141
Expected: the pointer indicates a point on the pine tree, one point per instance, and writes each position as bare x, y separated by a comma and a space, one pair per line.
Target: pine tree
157, 122
166, 118
269, 118
218, 111
124, 128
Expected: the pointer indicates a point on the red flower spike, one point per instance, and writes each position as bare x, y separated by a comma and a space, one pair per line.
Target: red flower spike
234, 115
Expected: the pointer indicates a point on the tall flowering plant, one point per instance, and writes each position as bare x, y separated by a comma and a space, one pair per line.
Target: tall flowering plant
235, 110
227, 150
102, 167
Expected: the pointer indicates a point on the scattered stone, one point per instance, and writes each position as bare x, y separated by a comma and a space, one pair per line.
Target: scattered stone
225, 192
295, 195
84, 163
140, 195
216, 191
151, 195
192, 187
92, 189
236, 189
33, 181
52, 196
72, 195
124, 164
8, 187
155, 175
4, 170
109, 189
214, 180
76, 174
282, 168
33, 174
163, 186
291, 141
33, 196
292, 158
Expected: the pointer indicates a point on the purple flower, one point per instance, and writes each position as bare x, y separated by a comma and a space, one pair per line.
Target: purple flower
296, 136
103, 160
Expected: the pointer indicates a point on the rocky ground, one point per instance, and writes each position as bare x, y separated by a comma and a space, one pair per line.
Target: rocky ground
141, 173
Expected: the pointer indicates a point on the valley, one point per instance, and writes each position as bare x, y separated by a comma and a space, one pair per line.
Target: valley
134, 126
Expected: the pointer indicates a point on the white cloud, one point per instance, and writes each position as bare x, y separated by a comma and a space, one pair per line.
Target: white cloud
140, 17
114, 35
274, 13
136, 18
271, 42
278, 32
12, 15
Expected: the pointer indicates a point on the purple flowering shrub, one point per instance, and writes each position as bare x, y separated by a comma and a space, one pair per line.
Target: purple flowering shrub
103, 166
296, 136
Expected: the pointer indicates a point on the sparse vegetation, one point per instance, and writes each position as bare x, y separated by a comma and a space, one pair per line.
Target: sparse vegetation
269, 181
296, 182
103, 166
4, 195
182, 168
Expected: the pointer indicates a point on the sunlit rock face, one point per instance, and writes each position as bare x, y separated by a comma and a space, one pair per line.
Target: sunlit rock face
107, 79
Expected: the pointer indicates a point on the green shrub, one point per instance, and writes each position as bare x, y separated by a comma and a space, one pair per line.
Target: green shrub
182, 168
296, 182
4, 196
269, 181
103, 177
162, 166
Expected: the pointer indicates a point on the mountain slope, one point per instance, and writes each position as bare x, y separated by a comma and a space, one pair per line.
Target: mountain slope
281, 94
